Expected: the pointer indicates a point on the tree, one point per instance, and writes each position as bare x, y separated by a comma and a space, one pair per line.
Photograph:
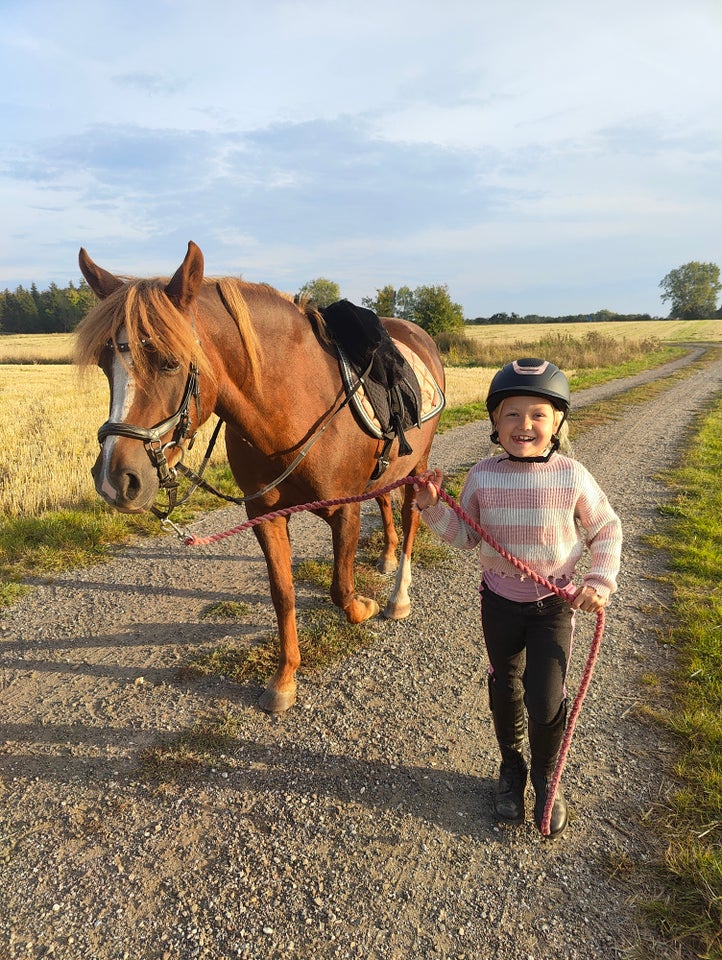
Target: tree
321, 291
431, 307
20, 312
435, 311
57, 309
384, 303
406, 303
693, 290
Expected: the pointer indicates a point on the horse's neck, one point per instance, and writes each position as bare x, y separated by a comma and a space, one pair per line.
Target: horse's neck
295, 380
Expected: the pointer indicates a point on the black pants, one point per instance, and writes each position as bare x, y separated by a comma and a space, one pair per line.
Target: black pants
529, 645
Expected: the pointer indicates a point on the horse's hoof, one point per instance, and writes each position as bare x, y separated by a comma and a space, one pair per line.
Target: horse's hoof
387, 565
276, 701
360, 609
396, 611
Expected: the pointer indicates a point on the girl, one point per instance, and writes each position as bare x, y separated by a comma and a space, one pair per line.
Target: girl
532, 500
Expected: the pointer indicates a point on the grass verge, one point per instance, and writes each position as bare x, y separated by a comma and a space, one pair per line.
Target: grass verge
42, 545
689, 912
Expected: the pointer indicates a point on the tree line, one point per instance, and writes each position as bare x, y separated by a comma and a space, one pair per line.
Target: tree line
597, 317
691, 289
55, 310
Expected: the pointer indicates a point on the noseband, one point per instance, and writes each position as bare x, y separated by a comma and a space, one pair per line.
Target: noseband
151, 437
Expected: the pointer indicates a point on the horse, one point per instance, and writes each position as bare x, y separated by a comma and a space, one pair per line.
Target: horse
175, 351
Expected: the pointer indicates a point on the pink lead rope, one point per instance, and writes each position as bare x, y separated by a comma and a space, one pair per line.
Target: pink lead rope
191, 541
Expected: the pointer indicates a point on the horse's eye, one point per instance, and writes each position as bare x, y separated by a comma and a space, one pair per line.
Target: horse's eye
169, 364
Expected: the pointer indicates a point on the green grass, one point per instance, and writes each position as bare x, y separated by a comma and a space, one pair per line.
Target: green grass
57, 540
690, 912
324, 637
44, 545
226, 610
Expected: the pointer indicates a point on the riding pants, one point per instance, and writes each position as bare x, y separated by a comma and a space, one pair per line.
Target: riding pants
529, 645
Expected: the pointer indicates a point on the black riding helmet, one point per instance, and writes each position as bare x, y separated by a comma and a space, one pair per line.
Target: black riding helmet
529, 377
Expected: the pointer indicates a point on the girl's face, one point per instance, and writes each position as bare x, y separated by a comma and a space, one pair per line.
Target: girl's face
526, 425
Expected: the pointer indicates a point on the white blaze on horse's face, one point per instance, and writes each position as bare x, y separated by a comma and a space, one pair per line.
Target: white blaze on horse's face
122, 392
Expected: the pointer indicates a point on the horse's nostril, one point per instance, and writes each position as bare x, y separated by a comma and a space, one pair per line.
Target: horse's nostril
132, 486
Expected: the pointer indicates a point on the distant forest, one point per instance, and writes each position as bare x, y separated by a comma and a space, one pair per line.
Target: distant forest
60, 310
55, 310
600, 315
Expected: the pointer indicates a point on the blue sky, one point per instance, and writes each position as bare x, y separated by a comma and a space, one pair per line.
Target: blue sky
555, 157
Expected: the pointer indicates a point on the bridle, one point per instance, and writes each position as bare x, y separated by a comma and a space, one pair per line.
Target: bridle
151, 437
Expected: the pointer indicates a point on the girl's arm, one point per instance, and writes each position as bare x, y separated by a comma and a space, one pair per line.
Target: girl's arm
604, 540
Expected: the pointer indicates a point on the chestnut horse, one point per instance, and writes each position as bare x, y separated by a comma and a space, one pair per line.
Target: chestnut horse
175, 351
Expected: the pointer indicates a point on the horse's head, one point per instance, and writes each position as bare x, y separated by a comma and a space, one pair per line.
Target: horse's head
142, 334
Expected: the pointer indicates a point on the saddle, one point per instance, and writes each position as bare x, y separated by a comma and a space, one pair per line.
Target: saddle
397, 390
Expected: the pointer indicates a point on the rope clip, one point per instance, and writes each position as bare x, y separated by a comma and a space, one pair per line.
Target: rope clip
184, 537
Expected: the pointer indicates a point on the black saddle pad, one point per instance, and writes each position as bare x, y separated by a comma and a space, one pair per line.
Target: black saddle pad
390, 384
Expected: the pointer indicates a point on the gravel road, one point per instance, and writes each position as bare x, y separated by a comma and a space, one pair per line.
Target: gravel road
358, 825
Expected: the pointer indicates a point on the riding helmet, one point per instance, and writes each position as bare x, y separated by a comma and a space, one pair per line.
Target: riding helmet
529, 377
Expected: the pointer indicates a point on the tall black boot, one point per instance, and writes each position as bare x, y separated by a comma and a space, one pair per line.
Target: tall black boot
509, 725
545, 741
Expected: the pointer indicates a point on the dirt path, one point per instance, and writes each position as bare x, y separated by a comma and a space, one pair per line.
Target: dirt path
358, 825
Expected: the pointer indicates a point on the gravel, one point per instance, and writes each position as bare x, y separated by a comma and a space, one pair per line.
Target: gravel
359, 824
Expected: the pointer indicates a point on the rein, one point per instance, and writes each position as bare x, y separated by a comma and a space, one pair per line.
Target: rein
192, 541
197, 478
151, 438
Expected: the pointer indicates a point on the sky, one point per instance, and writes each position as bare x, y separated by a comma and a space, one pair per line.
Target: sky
555, 157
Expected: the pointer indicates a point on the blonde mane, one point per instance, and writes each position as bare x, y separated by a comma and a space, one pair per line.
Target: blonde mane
143, 311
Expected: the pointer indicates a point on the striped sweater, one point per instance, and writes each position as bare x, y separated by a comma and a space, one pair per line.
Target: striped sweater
541, 513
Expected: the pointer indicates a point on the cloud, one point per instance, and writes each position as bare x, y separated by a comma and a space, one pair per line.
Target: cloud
291, 180
151, 83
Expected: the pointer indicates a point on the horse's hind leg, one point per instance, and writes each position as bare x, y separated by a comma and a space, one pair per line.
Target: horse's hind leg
280, 691
399, 603
345, 523
387, 562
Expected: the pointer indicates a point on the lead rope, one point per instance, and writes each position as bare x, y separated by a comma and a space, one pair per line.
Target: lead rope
192, 541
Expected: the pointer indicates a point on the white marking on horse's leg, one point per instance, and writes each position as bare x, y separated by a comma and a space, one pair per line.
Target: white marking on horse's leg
399, 605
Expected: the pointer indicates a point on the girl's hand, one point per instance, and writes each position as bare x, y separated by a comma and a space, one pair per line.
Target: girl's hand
587, 599
426, 488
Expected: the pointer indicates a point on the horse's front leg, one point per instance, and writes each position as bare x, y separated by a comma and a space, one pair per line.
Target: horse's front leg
345, 524
399, 603
387, 562
280, 691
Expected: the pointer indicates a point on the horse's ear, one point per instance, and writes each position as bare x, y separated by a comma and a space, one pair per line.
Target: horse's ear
100, 281
186, 281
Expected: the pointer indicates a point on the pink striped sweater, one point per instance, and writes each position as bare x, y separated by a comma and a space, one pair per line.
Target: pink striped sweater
542, 513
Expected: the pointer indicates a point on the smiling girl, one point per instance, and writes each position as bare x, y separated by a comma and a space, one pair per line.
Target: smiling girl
543, 507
